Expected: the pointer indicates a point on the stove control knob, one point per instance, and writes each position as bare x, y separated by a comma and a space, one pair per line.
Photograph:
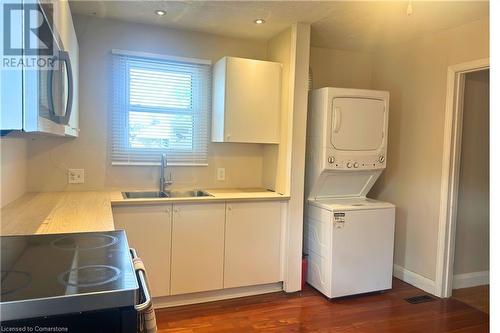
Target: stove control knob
331, 159
356, 164
381, 158
349, 165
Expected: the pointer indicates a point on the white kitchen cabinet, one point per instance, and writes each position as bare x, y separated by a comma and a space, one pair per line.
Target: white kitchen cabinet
148, 230
197, 247
246, 101
70, 44
252, 253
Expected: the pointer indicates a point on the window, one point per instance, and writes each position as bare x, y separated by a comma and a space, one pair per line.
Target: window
159, 105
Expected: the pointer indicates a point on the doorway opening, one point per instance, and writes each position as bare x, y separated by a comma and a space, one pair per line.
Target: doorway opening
463, 238
471, 255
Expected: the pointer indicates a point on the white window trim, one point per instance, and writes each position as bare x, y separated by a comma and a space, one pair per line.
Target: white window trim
161, 57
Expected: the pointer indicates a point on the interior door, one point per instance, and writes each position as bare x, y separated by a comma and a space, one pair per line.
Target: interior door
357, 123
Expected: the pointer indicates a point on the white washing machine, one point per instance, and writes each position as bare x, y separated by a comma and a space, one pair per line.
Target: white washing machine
349, 242
348, 237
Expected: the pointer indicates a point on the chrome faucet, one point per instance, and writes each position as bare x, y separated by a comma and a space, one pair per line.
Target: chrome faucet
164, 182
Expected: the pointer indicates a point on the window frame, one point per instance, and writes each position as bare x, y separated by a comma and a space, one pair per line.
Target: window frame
129, 107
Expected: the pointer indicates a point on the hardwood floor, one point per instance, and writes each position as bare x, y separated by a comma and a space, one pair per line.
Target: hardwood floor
309, 311
477, 297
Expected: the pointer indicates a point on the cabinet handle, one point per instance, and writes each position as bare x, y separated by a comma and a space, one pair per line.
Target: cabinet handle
167, 211
176, 210
229, 208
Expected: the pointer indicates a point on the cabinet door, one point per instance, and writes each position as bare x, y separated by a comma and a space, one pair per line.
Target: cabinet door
197, 247
246, 101
252, 244
253, 101
148, 230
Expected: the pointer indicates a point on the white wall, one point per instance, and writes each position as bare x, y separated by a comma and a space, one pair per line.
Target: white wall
276, 174
341, 69
49, 158
13, 157
415, 74
473, 218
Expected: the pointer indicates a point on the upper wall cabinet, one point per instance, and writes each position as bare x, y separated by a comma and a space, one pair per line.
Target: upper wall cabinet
246, 101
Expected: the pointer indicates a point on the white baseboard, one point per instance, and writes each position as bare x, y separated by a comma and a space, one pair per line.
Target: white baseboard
215, 295
473, 279
414, 279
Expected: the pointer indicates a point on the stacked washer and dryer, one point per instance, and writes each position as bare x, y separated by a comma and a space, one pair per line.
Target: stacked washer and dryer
348, 237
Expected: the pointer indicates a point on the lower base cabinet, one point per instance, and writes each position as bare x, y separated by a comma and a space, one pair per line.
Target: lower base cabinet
148, 230
252, 244
197, 247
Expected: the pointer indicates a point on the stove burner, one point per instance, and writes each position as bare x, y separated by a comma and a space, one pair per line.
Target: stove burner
13, 281
89, 276
84, 242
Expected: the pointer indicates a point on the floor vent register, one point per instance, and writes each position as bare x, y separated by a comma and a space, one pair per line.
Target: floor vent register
419, 299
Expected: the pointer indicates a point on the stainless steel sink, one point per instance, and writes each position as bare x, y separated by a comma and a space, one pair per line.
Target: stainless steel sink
187, 193
144, 195
166, 194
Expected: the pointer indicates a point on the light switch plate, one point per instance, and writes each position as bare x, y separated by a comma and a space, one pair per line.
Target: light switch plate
221, 174
76, 176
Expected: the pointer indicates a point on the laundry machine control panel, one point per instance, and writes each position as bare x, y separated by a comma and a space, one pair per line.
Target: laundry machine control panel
336, 161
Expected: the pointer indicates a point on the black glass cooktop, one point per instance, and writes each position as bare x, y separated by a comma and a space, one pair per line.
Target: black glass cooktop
66, 273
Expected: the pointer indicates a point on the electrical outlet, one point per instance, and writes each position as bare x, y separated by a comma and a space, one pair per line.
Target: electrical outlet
76, 176
221, 174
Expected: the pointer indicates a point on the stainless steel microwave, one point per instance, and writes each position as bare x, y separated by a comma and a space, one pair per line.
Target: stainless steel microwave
38, 95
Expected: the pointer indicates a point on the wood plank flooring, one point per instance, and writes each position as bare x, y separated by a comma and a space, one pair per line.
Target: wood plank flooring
309, 311
477, 297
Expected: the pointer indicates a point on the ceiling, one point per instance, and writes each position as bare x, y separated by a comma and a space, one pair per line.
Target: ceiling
350, 25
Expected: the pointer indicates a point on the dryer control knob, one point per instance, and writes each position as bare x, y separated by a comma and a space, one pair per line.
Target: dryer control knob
349, 164
331, 159
356, 164
381, 158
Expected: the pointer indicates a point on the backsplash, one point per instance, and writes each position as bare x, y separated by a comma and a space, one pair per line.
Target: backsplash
13, 166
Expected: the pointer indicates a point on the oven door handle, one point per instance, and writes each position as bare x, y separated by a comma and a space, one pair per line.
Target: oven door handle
142, 285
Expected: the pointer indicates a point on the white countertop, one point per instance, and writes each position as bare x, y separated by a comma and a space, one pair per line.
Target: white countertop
61, 212
233, 194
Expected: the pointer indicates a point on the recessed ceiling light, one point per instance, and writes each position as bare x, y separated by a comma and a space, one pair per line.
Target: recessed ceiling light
260, 21
160, 12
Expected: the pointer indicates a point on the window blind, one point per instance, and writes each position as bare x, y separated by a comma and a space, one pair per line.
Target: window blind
159, 105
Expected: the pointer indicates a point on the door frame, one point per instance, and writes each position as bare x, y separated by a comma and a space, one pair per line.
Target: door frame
450, 172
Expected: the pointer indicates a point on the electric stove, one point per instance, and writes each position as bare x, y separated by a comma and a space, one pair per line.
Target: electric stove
43, 276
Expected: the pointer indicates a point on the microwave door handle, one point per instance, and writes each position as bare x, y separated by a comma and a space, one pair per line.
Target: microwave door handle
50, 93
64, 56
